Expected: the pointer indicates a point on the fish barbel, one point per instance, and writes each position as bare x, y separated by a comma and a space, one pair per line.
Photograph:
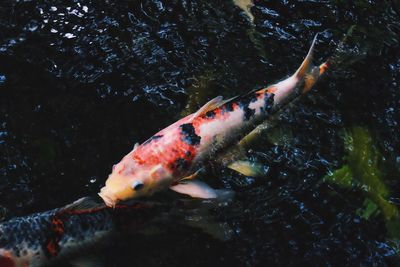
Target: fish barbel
172, 157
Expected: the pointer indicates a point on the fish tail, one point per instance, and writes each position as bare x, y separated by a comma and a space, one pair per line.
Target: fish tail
306, 65
307, 71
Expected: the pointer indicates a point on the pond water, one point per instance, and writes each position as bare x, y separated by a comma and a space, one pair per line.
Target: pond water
82, 81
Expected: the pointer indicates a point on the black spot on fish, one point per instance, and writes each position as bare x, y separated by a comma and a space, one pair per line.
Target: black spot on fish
210, 114
244, 105
188, 154
228, 107
253, 98
181, 164
246, 100
154, 137
189, 135
248, 112
269, 102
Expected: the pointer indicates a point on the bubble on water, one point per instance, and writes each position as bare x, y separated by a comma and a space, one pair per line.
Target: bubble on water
85, 9
53, 31
32, 26
69, 35
53, 8
76, 13
2, 79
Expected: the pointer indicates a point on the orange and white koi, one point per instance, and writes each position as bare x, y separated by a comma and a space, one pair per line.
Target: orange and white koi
172, 157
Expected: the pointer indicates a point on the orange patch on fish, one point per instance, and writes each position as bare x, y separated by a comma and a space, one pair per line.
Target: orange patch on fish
323, 67
6, 260
57, 226
271, 90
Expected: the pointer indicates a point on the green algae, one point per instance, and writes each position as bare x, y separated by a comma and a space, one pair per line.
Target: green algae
342, 177
364, 170
369, 210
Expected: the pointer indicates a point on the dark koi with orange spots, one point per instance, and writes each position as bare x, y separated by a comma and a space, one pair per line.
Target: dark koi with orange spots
39, 238
87, 227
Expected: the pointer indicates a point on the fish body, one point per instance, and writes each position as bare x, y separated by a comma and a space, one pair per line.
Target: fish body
171, 157
40, 238
75, 233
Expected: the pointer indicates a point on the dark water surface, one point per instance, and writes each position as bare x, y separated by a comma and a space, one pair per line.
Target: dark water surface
82, 81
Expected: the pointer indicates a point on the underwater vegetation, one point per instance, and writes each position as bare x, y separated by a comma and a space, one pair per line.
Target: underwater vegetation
364, 170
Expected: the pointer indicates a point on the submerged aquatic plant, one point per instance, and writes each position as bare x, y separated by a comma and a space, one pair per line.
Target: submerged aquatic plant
363, 169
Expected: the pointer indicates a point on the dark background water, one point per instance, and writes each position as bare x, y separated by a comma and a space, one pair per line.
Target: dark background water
82, 81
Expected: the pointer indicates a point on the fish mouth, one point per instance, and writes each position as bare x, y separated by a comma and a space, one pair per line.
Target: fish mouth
108, 199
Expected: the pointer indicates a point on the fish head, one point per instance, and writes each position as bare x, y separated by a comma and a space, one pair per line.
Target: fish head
127, 183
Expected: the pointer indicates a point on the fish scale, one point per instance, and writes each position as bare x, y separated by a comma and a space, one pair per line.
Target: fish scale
32, 240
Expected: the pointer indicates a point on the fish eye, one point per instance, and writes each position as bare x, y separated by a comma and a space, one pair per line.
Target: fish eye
137, 185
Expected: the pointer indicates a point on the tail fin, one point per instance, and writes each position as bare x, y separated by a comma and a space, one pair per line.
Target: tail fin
307, 62
307, 71
311, 77
306, 75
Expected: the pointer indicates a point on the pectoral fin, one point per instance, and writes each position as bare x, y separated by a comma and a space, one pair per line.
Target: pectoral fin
218, 230
191, 177
248, 168
195, 189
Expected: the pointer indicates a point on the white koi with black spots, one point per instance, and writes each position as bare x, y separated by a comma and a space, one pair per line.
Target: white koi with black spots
171, 158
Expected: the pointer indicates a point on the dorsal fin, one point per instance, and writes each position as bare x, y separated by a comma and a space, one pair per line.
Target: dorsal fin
210, 105
82, 205
136, 146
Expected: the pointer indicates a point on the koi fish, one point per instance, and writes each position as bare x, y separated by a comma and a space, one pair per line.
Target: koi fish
39, 238
246, 6
61, 235
172, 157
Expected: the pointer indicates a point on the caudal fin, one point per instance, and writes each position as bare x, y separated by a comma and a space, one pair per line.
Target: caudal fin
306, 65
307, 71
